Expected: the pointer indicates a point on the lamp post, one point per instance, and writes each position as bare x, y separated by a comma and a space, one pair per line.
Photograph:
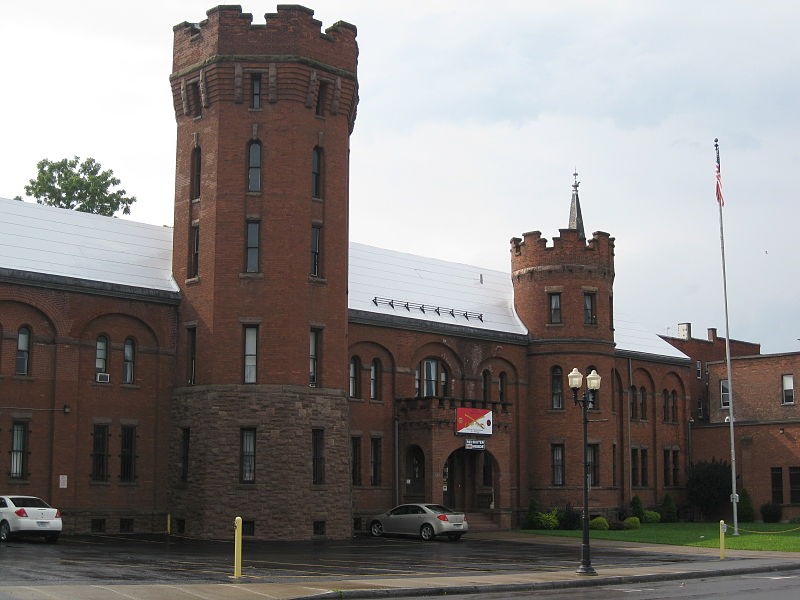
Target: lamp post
575, 378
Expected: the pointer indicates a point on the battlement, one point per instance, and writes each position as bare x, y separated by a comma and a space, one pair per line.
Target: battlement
532, 251
229, 34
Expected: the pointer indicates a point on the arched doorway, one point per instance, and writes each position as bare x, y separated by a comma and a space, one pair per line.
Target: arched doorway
470, 481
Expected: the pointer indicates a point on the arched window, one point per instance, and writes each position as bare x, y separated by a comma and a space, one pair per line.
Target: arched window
486, 381
355, 377
642, 403
23, 351
634, 400
665, 398
254, 166
316, 172
194, 176
101, 355
128, 361
556, 388
375, 380
674, 406
502, 387
432, 379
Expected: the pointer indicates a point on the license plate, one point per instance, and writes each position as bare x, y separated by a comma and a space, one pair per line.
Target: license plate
43, 523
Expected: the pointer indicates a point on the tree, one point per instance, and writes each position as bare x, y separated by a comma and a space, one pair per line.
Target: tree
81, 186
709, 485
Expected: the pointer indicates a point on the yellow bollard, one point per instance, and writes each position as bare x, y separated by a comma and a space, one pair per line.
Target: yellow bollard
169, 524
237, 547
722, 529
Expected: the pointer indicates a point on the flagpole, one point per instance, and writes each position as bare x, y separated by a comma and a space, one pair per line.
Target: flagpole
721, 203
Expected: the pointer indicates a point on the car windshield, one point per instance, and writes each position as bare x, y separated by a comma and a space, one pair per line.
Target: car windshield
24, 502
438, 509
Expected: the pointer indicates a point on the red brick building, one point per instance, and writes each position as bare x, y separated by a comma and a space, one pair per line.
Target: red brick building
293, 378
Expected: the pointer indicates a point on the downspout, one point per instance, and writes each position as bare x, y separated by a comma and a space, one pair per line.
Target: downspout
396, 458
627, 456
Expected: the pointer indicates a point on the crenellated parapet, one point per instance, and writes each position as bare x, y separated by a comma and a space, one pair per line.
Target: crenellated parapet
531, 256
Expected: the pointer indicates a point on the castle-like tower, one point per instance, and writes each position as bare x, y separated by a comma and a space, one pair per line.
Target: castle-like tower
259, 415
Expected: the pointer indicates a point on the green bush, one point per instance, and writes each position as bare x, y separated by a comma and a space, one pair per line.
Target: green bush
771, 512
669, 512
745, 511
651, 516
569, 518
632, 523
709, 486
637, 510
530, 516
616, 525
599, 523
546, 520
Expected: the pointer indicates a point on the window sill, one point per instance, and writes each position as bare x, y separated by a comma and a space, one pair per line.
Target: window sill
317, 279
554, 324
100, 483
254, 193
130, 386
19, 377
315, 199
195, 200
192, 280
253, 276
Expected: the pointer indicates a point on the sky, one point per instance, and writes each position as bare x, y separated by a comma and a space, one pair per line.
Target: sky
472, 119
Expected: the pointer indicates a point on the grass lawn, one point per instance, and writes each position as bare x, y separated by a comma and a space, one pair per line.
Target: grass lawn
778, 537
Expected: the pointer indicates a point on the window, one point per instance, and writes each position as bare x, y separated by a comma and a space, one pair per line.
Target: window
634, 402
100, 453
674, 406
665, 399
635, 466
247, 455
724, 394
355, 377
322, 97
191, 352
556, 388
593, 463
318, 456
23, 351
699, 369
194, 252
435, 379
794, 485
250, 353
194, 174
316, 172
502, 386
645, 478
128, 361
126, 525
557, 463
313, 357
555, 307
643, 404
788, 389
254, 166
252, 245
195, 106
776, 475
127, 455
255, 86
316, 250
375, 380
19, 450
675, 468
486, 381
668, 468
375, 461
355, 460
614, 465
185, 439
589, 308
101, 355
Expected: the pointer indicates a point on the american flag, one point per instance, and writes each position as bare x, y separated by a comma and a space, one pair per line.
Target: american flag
720, 199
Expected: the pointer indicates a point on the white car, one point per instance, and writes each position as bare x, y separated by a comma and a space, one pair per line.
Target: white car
28, 515
425, 520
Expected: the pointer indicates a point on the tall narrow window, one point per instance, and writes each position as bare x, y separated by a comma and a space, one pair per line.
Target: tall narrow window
589, 308
255, 86
665, 400
556, 388
794, 485
435, 379
375, 380
247, 455
486, 381
355, 459
788, 389
634, 466
724, 394
322, 98
194, 175
193, 269
502, 387
593, 463
318, 456
355, 377
23, 351
375, 461
675, 469
555, 307
776, 476
667, 468
101, 355
316, 250
100, 453
254, 166
19, 450
253, 243
127, 455
557, 463
316, 172
645, 467
634, 402
128, 361
674, 406
642, 403
194, 98
191, 355
186, 435
699, 369
313, 357
250, 353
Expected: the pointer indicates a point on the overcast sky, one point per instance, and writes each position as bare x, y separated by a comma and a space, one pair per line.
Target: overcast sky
473, 117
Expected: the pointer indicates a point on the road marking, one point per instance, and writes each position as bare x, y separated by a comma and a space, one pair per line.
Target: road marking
108, 589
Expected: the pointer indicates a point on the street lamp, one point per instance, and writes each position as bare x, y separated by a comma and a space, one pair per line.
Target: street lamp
575, 378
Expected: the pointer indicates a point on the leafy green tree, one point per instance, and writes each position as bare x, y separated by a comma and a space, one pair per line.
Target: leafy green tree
637, 510
81, 186
709, 485
669, 511
746, 511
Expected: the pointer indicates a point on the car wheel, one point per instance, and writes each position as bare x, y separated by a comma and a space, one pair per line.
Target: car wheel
426, 532
454, 537
376, 528
5, 531
51, 538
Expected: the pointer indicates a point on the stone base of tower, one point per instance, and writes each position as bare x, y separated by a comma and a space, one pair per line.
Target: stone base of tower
287, 490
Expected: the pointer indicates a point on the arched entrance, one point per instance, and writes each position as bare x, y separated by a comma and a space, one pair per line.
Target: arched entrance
469, 481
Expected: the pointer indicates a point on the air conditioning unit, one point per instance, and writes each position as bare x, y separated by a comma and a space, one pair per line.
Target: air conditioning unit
103, 378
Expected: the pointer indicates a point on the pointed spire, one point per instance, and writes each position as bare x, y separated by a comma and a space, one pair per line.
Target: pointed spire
575, 217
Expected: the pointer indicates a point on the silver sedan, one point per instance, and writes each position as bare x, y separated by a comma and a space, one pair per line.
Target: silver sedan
423, 520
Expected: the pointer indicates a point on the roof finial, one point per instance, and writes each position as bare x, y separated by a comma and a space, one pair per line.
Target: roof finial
575, 217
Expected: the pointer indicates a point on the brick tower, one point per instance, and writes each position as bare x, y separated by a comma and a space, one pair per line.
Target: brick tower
564, 295
259, 415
